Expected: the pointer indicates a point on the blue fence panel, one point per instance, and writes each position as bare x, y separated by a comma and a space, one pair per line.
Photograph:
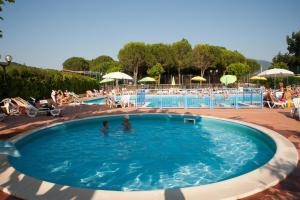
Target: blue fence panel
201, 98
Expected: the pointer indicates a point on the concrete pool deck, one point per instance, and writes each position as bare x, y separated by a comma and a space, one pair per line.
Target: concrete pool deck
277, 120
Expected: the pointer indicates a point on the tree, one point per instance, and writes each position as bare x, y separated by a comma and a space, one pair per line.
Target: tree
162, 54
155, 71
76, 64
254, 66
281, 65
202, 57
293, 43
292, 58
133, 56
182, 53
229, 57
2, 2
99, 60
238, 69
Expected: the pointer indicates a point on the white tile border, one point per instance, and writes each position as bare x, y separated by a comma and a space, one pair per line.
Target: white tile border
283, 163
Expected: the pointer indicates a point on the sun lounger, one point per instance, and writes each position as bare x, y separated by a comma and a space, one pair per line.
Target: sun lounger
9, 108
33, 111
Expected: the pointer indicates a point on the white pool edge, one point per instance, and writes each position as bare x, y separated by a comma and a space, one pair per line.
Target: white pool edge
282, 163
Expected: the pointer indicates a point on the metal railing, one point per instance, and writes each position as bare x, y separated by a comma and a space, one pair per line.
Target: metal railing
199, 98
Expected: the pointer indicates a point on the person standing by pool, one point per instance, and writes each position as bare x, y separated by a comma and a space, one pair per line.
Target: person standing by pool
126, 124
104, 129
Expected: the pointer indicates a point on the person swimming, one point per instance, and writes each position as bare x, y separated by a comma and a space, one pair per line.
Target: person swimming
126, 124
105, 124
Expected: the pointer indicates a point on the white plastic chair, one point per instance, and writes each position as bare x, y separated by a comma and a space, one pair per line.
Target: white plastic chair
296, 102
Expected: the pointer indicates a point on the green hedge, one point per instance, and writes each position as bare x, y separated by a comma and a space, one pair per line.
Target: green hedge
34, 82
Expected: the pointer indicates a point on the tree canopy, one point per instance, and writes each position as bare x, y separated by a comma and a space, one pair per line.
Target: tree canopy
182, 51
76, 64
238, 69
202, 57
139, 59
133, 56
292, 58
155, 71
2, 2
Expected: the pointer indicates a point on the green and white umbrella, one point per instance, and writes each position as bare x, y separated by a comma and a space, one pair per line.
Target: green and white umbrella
107, 80
228, 79
146, 79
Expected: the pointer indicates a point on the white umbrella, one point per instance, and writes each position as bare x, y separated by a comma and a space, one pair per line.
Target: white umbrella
118, 75
276, 72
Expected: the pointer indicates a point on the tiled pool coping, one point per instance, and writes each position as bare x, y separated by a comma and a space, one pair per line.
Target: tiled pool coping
283, 162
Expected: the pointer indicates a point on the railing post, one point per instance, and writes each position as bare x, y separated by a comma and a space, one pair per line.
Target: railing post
236, 98
161, 103
261, 99
185, 99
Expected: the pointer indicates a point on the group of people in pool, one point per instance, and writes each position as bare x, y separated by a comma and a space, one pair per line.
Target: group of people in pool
125, 123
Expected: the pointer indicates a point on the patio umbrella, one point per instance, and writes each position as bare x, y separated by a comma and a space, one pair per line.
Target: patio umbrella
146, 79
118, 75
107, 80
276, 72
258, 78
173, 81
198, 78
228, 79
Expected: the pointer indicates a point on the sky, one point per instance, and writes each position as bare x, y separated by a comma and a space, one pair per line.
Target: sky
45, 33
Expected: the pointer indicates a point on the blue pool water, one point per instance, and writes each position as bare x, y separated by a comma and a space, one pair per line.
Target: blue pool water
96, 101
161, 151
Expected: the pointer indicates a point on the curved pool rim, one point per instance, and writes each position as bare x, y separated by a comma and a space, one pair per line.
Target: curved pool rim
281, 164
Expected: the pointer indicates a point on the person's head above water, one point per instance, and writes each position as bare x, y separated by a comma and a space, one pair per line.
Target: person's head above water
105, 123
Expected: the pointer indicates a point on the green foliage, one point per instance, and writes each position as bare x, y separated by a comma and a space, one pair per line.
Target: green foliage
230, 57
281, 65
162, 53
182, 51
254, 66
76, 64
238, 69
2, 2
293, 43
95, 63
133, 56
202, 57
113, 66
292, 58
34, 82
155, 71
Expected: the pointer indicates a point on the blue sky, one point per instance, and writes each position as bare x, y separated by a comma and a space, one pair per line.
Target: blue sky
45, 33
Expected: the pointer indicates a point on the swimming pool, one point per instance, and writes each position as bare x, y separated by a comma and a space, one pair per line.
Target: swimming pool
192, 101
160, 152
95, 101
24, 186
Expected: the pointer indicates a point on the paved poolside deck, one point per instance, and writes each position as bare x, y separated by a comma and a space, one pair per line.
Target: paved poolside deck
278, 120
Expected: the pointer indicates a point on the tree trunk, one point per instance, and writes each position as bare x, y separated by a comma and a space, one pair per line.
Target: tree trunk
135, 73
179, 74
159, 79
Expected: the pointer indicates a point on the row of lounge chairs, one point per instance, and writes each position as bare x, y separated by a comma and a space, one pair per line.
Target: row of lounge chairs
17, 106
